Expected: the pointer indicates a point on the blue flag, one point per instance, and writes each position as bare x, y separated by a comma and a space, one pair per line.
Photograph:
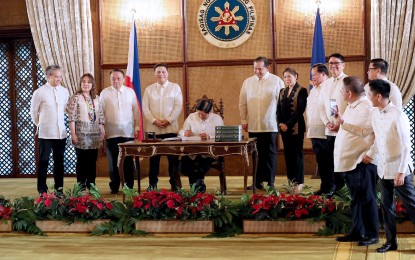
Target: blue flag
317, 54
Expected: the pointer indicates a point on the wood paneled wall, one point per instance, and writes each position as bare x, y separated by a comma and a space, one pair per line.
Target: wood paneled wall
201, 68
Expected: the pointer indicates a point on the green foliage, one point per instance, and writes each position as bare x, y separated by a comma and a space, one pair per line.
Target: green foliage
24, 216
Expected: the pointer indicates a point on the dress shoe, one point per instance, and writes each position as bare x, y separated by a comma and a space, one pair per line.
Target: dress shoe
328, 194
388, 246
349, 238
114, 191
257, 187
151, 187
318, 193
368, 241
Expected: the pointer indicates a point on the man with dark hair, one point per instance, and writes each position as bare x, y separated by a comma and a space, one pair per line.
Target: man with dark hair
378, 68
162, 105
122, 123
47, 111
316, 129
395, 168
331, 97
353, 141
257, 107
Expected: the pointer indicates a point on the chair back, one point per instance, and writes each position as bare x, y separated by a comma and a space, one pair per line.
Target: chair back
217, 109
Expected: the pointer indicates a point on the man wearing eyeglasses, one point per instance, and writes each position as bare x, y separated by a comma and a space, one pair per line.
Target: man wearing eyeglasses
331, 102
378, 68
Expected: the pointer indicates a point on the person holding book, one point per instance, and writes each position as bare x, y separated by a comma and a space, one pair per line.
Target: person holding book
202, 124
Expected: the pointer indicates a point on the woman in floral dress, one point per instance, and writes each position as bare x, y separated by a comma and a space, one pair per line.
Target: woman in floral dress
86, 122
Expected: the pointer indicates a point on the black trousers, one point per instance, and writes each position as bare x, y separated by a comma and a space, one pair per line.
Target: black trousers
294, 156
406, 193
338, 177
362, 185
195, 169
86, 166
155, 165
322, 151
267, 157
45, 148
112, 152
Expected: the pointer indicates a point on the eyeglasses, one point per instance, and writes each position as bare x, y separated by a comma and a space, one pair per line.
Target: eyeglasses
335, 63
373, 68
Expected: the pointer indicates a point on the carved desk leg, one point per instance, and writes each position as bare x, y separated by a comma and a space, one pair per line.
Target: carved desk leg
254, 163
137, 172
120, 165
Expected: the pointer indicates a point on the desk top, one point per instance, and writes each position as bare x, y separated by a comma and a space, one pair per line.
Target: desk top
210, 142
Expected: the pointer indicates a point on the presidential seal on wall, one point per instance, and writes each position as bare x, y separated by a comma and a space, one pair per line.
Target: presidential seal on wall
226, 23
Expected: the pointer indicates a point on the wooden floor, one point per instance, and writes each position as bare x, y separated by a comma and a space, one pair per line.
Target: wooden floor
174, 246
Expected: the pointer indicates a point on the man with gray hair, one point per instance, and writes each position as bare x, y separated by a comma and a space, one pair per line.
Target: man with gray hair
47, 111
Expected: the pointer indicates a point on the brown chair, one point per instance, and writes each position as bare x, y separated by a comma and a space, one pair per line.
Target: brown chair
219, 163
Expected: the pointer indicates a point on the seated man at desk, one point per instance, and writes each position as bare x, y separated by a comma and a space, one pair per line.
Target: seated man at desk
201, 123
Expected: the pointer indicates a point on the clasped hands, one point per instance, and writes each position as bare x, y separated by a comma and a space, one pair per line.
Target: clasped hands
161, 123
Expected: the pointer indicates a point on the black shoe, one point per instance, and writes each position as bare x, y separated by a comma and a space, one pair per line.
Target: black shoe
257, 187
318, 193
151, 187
349, 238
388, 246
368, 241
114, 191
328, 194
200, 186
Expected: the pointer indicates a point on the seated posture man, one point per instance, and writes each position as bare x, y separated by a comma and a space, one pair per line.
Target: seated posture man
200, 123
392, 141
354, 139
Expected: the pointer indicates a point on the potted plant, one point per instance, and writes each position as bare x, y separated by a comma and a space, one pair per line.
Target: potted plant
277, 212
161, 211
73, 211
5, 215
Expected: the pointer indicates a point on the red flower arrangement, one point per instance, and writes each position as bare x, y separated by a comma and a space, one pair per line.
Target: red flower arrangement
5, 209
182, 205
263, 207
70, 208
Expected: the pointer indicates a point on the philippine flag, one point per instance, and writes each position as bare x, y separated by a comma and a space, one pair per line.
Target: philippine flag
132, 77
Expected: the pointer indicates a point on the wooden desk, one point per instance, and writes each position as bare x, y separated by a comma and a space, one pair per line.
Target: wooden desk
148, 149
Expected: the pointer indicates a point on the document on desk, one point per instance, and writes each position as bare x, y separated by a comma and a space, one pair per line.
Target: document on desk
177, 138
191, 138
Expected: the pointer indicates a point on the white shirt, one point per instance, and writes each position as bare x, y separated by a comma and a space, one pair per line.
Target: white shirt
195, 124
162, 102
331, 89
48, 111
395, 94
355, 136
392, 141
258, 102
121, 112
315, 126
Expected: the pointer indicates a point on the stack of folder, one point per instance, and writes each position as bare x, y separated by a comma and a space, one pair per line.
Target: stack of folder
228, 133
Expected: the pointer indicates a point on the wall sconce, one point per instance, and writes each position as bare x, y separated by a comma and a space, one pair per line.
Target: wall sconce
328, 9
147, 13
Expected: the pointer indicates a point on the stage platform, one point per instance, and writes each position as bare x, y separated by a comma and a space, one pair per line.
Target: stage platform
179, 246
